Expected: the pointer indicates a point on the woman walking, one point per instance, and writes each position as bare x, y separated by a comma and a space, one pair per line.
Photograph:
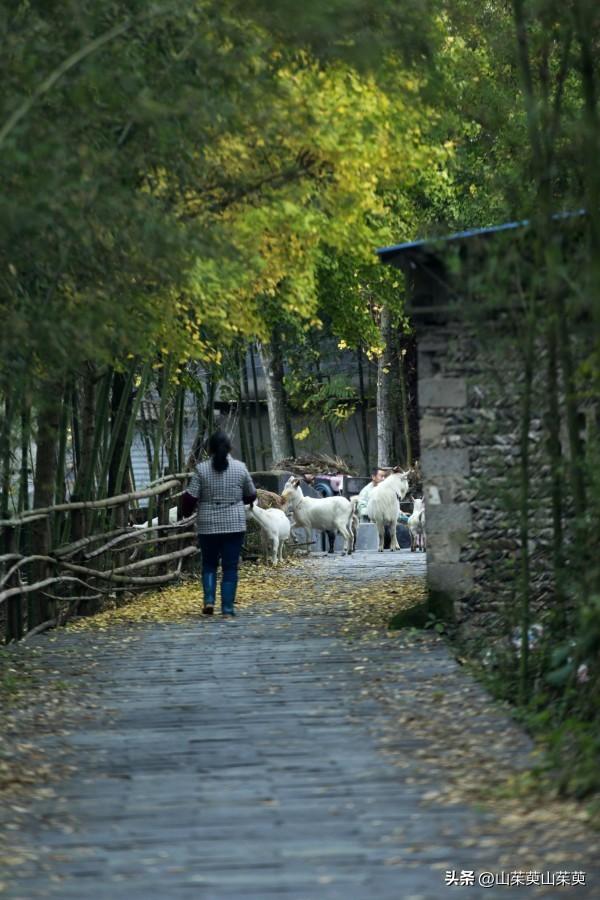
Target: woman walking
219, 488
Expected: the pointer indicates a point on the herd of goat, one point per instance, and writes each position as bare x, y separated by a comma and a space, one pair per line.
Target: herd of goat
338, 515
335, 515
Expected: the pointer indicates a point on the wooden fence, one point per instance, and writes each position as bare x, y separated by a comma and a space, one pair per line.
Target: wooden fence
70, 557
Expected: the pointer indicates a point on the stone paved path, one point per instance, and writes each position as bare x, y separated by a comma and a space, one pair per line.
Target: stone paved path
249, 764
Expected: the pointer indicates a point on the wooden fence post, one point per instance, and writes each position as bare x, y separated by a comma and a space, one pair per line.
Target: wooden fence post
164, 505
14, 605
40, 542
121, 521
78, 529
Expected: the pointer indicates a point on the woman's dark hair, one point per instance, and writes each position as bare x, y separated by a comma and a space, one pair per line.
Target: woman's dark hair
219, 446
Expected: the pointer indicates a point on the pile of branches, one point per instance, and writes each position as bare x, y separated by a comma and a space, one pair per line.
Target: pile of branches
268, 499
315, 464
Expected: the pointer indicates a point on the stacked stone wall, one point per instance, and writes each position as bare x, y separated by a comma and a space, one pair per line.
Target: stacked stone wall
469, 408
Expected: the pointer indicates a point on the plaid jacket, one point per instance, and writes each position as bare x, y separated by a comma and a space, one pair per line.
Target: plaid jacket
219, 495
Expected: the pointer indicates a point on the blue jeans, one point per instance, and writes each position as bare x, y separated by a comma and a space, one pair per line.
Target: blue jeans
226, 548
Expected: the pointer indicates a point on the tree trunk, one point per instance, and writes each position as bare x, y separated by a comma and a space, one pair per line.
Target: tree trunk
272, 363
385, 416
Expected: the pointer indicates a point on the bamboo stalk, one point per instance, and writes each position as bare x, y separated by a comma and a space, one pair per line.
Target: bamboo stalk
5, 454
179, 460
116, 423
160, 422
258, 411
248, 409
177, 429
47, 440
59, 488
84, 407
146, 438
14, 607
158, 431
126, 454
100, 429
75, 429
98, 408
23, 503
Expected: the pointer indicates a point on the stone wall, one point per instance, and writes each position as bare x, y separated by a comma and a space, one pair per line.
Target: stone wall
469, 411
445, 463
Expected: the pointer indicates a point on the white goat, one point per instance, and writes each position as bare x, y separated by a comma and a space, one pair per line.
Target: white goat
383, 507
172, 519
274, 525
331, 514
416, 525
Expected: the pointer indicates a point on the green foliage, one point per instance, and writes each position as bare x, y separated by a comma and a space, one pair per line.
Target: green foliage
183, 177
332, 399
352, 294
158, 208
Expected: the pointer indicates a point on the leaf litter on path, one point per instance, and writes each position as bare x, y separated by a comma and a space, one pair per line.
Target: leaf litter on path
467, 750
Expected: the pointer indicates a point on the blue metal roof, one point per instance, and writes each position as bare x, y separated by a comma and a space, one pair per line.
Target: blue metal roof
431, 244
